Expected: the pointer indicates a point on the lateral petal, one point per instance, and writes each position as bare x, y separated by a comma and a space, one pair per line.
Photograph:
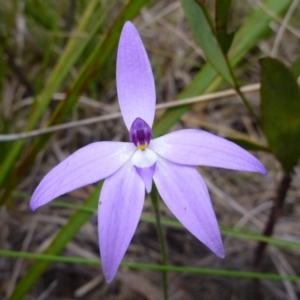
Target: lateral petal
197, 147
135, 82
120, 207
185, 193
85, 166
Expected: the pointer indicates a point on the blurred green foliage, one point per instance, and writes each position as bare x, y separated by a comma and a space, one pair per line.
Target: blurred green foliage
280, 107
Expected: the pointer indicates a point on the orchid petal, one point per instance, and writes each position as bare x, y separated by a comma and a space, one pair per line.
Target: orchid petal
85, 166
197, 147
185, 193
135, 82
120, 207
147, 176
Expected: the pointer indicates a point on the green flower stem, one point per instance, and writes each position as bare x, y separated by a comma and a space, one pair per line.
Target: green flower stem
276, 211
154, 198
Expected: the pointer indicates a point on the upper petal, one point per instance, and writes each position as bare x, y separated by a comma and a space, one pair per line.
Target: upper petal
185, 193
197, 147
120, 208
135, 82
87, 165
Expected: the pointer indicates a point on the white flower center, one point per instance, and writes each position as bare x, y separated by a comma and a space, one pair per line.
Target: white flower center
144, 158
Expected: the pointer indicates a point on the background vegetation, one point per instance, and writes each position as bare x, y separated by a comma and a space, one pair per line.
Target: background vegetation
229, 67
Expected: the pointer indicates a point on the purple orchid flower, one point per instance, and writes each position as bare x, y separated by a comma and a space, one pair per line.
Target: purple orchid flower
129, 168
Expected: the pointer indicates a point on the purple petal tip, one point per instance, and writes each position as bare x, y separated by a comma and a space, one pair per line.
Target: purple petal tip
260, 168
128, 23
264, 171
32, 206
108, 279
222, 254
219, 250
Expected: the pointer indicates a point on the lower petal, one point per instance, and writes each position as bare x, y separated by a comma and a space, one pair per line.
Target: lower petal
120, 207
147, 176
185, 193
